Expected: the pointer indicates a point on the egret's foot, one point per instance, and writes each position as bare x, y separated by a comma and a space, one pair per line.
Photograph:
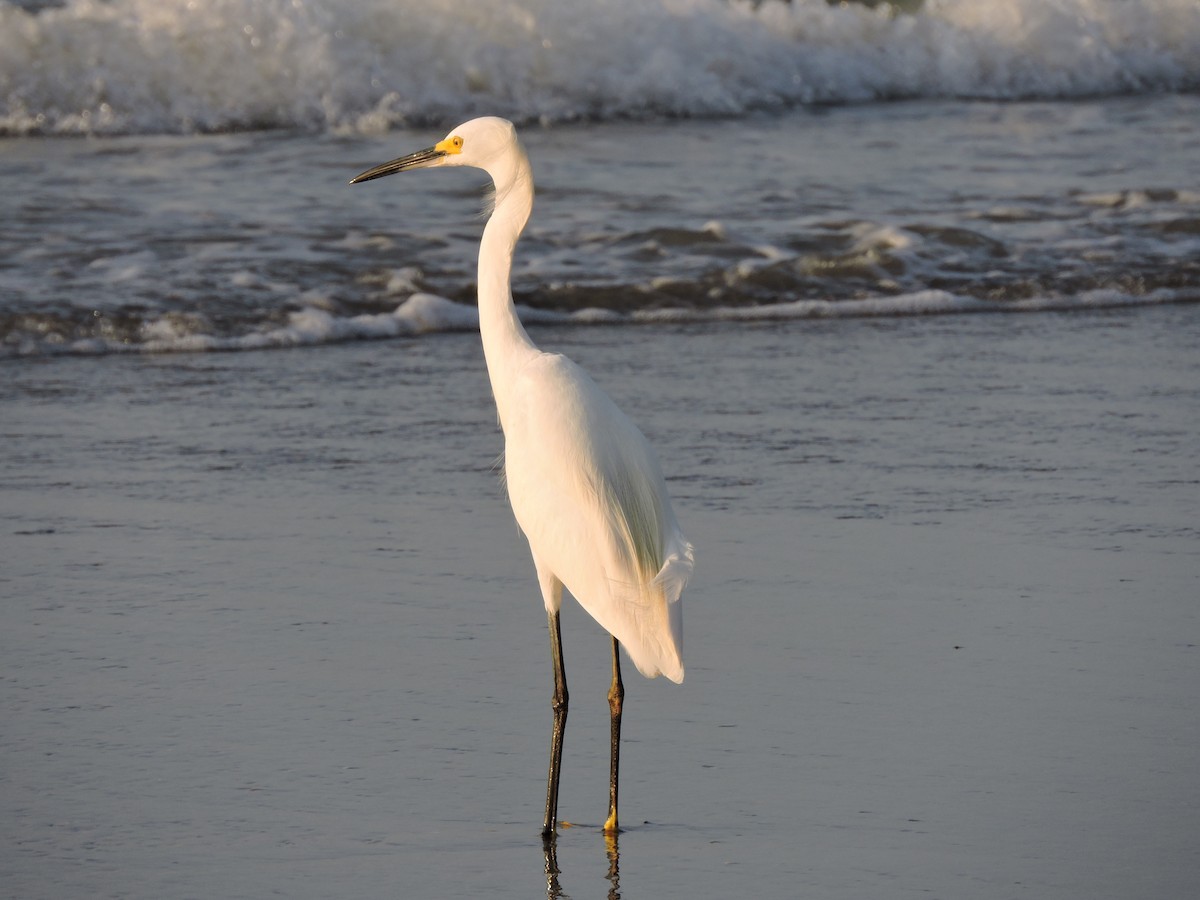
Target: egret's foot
551, 830
610, 824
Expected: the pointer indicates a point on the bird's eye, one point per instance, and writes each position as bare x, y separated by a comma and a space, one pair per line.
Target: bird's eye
452, 144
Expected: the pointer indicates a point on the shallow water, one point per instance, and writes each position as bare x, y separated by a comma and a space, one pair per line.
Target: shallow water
269, 626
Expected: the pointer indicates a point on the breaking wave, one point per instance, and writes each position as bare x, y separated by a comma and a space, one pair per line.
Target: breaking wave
179, 66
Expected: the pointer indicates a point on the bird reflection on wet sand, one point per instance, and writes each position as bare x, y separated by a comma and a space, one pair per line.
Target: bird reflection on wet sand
554, 890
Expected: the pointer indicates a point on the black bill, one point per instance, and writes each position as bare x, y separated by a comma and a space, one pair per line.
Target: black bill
412, 161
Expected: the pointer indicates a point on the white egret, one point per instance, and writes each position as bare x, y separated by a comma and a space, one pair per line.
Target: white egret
584, 483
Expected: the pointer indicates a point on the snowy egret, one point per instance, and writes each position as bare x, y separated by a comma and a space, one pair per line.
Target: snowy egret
584, 483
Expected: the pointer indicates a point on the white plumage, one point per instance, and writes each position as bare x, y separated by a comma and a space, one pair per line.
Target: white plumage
589, 496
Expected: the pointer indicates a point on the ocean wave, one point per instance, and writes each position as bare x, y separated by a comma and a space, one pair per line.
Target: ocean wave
149, 66
425, 314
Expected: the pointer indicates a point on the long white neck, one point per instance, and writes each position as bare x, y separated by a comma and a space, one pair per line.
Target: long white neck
506, 345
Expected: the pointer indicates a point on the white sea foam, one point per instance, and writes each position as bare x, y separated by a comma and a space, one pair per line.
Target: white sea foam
419, 314
367, 65
424, 314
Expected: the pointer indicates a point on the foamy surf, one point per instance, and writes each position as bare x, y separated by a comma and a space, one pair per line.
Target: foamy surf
150, 66
428, 314
254, 241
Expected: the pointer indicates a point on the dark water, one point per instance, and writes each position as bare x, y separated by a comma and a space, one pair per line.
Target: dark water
245, 241
269, 627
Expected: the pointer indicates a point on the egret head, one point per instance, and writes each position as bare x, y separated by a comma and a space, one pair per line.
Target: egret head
488, 143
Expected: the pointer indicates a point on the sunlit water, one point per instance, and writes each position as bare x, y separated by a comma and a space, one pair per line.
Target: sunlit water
268, 626
353, 66
240, 242
1069, 180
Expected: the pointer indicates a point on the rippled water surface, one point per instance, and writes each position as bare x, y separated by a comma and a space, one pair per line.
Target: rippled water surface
269, 626
244, 241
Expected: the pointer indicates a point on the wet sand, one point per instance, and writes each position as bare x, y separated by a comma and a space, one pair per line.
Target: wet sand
269, 627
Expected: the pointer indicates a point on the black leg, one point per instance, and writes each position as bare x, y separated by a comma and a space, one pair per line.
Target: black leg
616, 698
559, 704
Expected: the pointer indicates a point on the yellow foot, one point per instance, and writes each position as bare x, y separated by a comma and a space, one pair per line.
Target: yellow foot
610, 824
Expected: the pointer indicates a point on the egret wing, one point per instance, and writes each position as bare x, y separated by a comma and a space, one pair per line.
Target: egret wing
588, 494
